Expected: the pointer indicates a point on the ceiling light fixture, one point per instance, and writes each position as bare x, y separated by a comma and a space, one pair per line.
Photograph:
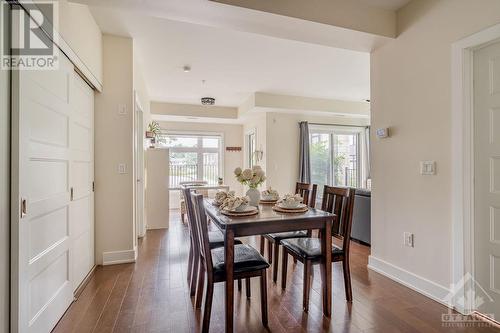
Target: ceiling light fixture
186, 69
207, 101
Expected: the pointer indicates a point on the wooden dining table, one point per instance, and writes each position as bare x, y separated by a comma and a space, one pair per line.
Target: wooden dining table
270, 221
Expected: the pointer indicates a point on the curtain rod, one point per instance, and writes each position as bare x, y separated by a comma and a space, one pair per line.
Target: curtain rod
319, 124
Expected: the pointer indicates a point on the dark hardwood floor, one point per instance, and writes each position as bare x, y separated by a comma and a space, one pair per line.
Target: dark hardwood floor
152, 296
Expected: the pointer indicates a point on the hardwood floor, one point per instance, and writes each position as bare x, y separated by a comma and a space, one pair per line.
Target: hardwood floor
152, 295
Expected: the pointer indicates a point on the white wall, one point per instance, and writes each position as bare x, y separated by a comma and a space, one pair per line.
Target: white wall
282, 148
4, 198
114, 196
233, 137
410, 92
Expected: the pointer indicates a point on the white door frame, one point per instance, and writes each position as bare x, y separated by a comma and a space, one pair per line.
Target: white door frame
138, 175
463, 163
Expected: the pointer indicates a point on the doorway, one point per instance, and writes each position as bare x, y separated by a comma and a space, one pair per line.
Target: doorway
486, 103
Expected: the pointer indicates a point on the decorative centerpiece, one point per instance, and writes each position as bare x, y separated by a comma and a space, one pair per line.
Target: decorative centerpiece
252, 178
221, 196
270, 195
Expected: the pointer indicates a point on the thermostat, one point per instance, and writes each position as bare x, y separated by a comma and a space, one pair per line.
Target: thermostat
382, 133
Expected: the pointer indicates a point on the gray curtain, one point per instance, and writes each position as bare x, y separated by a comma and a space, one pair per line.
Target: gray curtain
304, 156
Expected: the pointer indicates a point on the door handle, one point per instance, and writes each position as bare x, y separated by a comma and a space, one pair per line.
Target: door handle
71, 193
24, 207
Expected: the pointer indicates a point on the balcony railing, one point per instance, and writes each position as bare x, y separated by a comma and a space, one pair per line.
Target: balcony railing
189, 172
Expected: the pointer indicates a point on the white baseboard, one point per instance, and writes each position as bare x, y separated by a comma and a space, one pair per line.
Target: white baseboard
419, 284
119, 257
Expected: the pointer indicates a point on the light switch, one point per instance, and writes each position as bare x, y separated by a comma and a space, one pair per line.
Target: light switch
122, 168
428, 168
122, 108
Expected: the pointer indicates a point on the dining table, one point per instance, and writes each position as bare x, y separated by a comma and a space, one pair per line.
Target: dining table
270, 221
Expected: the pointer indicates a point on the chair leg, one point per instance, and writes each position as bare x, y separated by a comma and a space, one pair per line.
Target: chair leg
347, 279
284, 268
199, 290
190, 263
263, 297
276, 261
247, 286
262, 244
307, 284
208, 306
239, 284
270, 251
194, 275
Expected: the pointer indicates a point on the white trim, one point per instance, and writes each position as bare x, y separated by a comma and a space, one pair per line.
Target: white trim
463, 157
415, 282
119, 257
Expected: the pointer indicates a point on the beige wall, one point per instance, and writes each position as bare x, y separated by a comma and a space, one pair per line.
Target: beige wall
410, 92
4, 198
114, 205
80, 31
233, 137
282, 148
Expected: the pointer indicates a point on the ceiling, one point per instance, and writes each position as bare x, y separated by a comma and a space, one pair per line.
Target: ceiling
386, 4
233, 64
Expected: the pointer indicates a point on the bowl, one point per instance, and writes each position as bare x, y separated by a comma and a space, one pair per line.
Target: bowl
241, 208
290, 203
269, 197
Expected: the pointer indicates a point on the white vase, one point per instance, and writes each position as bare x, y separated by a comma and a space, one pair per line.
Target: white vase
254, 195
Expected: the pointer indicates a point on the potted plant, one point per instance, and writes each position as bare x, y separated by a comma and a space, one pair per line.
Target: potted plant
252, 178
153, 132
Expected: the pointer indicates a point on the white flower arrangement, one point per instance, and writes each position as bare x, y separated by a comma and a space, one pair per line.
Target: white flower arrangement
251, 177
232, 203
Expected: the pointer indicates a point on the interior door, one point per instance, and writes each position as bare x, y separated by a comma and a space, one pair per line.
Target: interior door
81, 141
41, 157
487, 179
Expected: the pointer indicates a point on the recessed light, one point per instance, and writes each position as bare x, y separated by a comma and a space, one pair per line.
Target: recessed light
186, 69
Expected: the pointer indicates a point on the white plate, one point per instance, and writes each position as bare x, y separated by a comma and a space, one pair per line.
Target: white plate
300, 206
246, 210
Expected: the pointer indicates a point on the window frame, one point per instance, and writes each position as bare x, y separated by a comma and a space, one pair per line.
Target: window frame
250, 155
199, 150
333, 130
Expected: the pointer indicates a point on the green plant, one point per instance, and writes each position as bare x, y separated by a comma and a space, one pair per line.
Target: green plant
154, 127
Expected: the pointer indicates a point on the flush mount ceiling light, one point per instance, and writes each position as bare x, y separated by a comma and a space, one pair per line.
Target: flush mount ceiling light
186, 69
207, 101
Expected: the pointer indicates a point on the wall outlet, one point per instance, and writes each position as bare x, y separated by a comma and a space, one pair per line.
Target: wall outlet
408, 239
122, 168
428, 168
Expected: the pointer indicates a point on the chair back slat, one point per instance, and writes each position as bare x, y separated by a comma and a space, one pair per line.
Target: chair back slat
340, 201
186, 193
202, 226
307, 192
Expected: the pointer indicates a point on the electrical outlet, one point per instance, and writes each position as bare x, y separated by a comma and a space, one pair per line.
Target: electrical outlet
122, 168
408, 239
122, 109
428, 168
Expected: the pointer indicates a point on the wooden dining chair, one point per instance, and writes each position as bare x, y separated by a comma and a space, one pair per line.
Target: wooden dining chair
339, 201
248, 263
308, 193
215, 239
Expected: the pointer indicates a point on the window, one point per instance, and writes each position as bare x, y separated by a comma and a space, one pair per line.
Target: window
193, 157
337, 156
250, 148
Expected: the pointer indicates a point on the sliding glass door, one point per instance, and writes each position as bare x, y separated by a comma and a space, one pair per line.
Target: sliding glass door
337, 156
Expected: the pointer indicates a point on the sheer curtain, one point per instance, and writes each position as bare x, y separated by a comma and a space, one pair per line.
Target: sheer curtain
304, 155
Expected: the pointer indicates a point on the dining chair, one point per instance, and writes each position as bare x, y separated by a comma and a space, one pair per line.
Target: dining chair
215, 239
339, 201
308, 193
248, 263
183, 200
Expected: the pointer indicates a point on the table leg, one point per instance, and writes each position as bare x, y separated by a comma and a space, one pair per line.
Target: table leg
229, 261
326, 267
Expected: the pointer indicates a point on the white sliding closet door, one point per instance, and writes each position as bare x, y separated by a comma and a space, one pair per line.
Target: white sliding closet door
81, 141
41, 255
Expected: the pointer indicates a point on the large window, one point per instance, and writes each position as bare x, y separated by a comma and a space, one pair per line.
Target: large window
338, 156
193, 157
